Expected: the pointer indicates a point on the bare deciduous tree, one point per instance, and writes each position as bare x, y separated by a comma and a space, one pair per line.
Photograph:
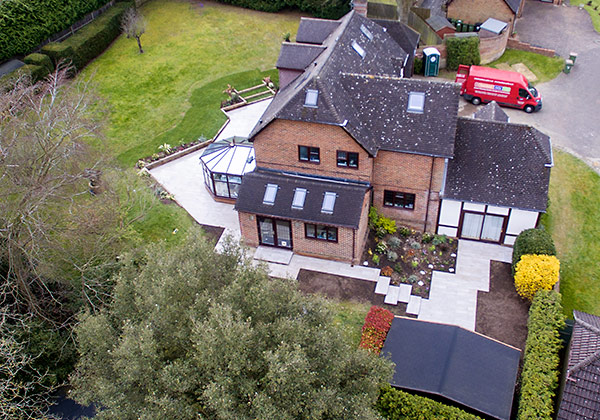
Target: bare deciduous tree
133, 25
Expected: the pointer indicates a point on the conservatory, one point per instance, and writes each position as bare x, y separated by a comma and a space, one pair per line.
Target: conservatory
224, 163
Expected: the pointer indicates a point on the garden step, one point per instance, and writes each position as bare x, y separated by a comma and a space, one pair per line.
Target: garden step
392, 296
383, 283
404, 295
414, 305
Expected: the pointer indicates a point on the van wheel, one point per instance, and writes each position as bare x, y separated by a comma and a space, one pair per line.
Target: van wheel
528, 109
476, 101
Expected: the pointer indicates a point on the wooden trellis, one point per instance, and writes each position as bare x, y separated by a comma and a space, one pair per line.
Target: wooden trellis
265, 91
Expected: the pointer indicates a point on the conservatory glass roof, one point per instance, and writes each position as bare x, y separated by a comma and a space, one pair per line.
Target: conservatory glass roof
233, 156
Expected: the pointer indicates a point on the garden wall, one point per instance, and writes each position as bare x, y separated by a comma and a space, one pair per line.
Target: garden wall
515, 44
492, 48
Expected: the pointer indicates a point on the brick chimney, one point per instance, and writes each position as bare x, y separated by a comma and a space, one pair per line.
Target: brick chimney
360, 7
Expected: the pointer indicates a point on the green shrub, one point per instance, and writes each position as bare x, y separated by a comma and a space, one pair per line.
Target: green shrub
381, 247
58, 52
380, 224
534, 273
332, 9
38, 59
532, 241
418, 66
539, 378
394, 242
462, 51
394, 404
24, 24
36, 73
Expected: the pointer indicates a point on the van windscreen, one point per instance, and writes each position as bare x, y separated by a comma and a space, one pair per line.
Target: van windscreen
533, 90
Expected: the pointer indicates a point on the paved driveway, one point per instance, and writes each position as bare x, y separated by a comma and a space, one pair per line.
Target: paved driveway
571, 113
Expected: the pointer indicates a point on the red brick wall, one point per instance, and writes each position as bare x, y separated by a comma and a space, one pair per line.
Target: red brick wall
249, 228
514, 43
276, 147
477, 11
409, 173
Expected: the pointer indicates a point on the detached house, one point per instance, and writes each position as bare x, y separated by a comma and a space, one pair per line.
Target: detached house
347, 131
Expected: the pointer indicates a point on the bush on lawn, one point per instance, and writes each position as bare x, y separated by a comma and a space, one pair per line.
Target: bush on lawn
377, 324
541, 361
394, 404
332, 9
24, 24
462, 51
536, 272
532, 241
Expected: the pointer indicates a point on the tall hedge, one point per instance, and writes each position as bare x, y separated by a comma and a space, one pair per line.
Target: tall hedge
532, 241
539, 379
394, 404
331, 9
24, 24
462, 50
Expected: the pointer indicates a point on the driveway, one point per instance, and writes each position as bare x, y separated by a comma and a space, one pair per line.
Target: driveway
571, 101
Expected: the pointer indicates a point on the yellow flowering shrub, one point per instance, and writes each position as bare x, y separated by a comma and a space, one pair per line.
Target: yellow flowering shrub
536, 272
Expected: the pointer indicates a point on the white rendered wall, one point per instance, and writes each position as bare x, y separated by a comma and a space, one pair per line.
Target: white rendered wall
449, 213
521, 220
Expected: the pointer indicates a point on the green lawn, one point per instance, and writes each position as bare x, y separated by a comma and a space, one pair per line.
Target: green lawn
573, 218
545, 68
593, 8
186, 47
350, 317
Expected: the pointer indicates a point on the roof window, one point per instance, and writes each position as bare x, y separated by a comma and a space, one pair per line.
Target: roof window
312, 98
416, 102
366, 32
270, 193
358, 49
328, 203
299, 197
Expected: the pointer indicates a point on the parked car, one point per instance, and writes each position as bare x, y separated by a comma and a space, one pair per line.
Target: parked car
507, 88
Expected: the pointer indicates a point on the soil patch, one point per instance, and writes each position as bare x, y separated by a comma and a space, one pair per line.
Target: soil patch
213, 233
501, 313
342, 288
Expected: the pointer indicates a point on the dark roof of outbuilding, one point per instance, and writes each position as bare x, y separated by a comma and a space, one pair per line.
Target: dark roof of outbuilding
491, 111
438, 22
404, 35
512, 4
581, 393
366, 95
447, 360
348, 204
315, 31
297, 56
500, 163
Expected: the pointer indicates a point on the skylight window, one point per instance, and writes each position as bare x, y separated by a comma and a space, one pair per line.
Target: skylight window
328, 203
358, 49
312, 98
299, 197
416, 102
270, 193
366, 32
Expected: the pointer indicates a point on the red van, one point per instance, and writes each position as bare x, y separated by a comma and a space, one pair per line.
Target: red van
508, 88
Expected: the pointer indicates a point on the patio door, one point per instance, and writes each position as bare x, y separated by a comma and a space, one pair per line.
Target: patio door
275, 232
481, 226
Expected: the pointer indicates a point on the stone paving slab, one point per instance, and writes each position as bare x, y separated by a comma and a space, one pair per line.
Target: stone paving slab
274, 255
524, 70
414, 305
392, 296
383, 285
404, 295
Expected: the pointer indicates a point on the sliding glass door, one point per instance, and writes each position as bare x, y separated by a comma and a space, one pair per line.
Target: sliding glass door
484, 227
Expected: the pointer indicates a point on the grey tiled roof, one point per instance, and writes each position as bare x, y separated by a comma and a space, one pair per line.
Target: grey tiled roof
581, 393
367, 97
500, 164
438, 22
315, 31
297, 56
514, 5
346, 212
406, 37
491, 111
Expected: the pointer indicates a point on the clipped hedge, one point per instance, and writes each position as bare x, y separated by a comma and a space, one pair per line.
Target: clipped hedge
462, 51
374, 331
532, 241
91, 40
331, 9
24, 24
536, 272
539, 379
37, 59
394, 404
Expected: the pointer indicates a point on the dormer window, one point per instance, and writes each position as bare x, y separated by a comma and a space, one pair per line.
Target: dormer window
312, 98
416, 102
366, 32
359, 50
328, 203
299, 197
270, 194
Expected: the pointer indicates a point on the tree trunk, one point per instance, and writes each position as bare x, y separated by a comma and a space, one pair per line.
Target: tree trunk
139, 44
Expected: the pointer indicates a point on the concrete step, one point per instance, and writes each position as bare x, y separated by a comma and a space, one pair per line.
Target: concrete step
404, 295
414, 305
382, 285
392, 296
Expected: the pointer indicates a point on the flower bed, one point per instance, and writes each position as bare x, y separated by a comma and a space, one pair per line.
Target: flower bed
374, 331
165, 150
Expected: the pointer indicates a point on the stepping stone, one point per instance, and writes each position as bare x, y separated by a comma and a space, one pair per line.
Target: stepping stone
414, 305
504, 66
404, 295
382, 285
392, 296
524, 70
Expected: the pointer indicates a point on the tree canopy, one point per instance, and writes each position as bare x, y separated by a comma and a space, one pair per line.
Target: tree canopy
195, 334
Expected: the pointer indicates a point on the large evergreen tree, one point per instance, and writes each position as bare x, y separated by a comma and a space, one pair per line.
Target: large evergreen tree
194, 334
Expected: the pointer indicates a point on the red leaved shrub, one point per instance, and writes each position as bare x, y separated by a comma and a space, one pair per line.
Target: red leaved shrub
377, 324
